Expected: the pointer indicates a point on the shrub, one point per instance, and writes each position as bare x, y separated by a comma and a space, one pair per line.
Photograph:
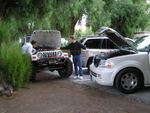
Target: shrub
14, 66
4, 34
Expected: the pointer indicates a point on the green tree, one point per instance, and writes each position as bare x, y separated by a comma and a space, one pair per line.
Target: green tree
22, 12
23, 8
63, 15
125, 16
53, 14
128, 16
96, 15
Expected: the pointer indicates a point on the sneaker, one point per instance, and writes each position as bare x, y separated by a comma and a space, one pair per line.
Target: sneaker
75, 77
81, 77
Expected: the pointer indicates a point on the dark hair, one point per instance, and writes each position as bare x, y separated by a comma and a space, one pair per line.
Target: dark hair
27, 38
72, 37
33, 42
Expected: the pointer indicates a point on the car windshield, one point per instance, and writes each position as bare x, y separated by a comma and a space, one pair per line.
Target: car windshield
142, 43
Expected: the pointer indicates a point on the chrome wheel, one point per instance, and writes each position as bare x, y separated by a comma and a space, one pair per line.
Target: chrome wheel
129, 81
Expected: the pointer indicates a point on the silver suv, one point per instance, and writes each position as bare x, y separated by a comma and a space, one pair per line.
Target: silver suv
96, 45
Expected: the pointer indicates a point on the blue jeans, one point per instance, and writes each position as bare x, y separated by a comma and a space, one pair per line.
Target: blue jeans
77, 60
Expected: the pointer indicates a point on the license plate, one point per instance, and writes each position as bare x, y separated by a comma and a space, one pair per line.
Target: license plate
51, 61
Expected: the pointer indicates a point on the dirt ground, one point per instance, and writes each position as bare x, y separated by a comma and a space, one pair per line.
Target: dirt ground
54, 95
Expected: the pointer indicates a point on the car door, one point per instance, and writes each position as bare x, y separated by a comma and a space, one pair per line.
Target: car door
92, 48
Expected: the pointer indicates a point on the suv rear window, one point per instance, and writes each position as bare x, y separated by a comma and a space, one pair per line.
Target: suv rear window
108, 44
93, 43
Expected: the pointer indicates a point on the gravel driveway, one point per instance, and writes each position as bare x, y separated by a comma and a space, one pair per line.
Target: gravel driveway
54, 95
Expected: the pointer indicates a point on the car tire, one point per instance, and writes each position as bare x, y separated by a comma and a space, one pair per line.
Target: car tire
128, 80
67, 70
34, 72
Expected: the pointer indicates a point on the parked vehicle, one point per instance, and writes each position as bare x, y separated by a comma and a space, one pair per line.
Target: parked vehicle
130, 41
48, 54
96, 45
140, 34
128, 69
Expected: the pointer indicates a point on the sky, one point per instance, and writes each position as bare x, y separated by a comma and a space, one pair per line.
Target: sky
81, 25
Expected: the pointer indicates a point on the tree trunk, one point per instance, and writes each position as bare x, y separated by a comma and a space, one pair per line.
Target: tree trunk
73, 21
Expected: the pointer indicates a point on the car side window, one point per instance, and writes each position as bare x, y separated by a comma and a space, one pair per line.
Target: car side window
108, 44
93, 43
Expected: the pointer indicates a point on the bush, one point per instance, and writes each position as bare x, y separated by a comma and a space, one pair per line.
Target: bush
14, 66
4, 34
10, 29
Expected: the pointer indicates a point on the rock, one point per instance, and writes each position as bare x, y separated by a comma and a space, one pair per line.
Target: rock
8, 91
1, 89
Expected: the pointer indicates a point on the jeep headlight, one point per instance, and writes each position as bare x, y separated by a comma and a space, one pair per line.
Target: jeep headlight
59, 54
39, 55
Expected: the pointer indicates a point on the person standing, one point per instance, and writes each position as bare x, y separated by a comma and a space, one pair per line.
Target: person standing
75, 50
28, 48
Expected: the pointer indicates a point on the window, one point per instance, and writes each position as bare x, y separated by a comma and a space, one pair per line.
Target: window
93, 43
108, 44
142, 44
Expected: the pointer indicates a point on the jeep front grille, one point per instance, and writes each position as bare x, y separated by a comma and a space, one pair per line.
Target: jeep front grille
49, 54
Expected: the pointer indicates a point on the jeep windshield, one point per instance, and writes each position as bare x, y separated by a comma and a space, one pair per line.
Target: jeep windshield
142, 44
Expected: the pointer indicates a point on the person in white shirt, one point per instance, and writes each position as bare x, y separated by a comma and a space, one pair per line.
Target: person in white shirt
28, 47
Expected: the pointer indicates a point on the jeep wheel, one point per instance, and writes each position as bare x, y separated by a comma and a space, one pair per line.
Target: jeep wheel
33, 73
128, 80
67, 70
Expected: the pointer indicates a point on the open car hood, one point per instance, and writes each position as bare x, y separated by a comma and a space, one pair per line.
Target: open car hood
114, 36
47, 38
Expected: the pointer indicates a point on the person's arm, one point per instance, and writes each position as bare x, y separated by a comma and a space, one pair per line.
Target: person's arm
30, 49
82, 46
66, 47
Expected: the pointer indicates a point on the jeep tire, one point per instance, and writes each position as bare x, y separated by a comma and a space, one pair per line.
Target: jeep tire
33, 73
67, 70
